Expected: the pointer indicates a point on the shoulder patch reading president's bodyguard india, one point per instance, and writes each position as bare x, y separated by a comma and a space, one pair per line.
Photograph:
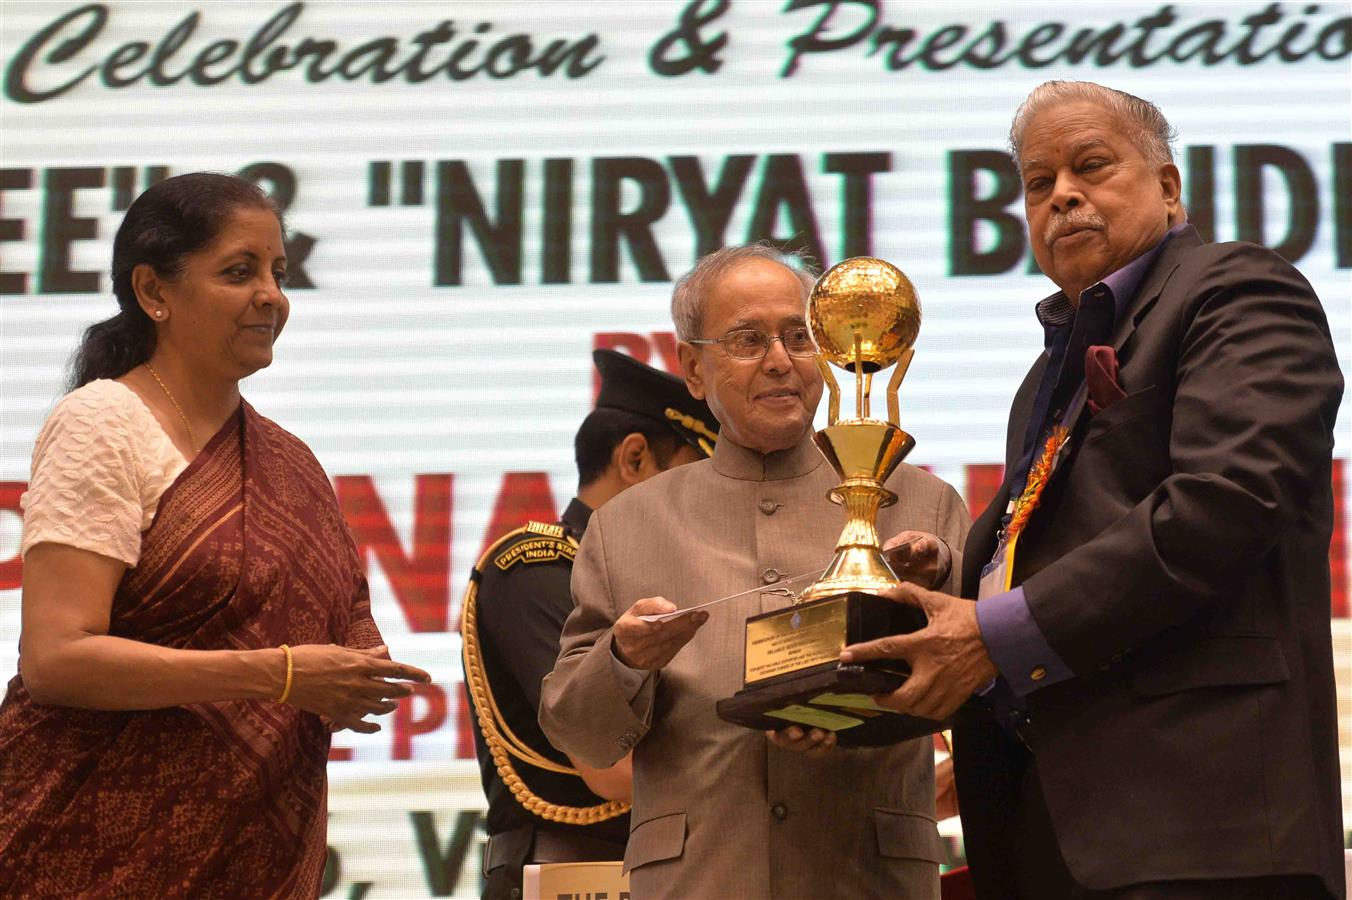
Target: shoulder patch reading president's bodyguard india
540, 543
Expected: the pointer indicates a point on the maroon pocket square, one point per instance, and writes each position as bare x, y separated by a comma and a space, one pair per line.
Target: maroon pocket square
1100, 374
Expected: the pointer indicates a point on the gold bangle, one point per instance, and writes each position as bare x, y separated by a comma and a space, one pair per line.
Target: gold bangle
286, 688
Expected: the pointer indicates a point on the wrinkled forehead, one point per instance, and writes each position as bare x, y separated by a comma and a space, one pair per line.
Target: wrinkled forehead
1067, 129
756, 293
756, 316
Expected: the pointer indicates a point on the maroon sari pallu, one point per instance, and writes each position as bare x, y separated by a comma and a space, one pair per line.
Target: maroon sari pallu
248, 550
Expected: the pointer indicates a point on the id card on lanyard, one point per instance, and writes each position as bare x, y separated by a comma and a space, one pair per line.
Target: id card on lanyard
998, 574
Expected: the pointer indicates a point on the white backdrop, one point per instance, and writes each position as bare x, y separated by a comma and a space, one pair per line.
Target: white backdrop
480, 193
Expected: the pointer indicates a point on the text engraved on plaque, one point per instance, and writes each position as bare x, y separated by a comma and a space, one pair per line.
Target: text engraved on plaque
795, 639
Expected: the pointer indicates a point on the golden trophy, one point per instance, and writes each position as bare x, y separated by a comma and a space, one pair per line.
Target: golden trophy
864, 316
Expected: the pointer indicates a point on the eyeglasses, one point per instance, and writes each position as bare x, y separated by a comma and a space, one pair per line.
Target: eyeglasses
748, 343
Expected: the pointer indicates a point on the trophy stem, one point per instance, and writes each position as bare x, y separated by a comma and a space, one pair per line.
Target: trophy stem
859, 394
858, 564
832, 388
861, 498
893, 404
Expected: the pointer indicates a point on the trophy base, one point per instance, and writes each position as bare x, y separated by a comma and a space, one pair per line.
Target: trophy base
820, 692
754, 707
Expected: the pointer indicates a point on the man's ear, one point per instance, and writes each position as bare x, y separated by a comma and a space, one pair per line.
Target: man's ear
692, 369
146, 282
1171, 189
630, 457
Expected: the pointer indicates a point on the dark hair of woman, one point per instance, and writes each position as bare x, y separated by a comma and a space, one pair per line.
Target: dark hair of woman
170, 220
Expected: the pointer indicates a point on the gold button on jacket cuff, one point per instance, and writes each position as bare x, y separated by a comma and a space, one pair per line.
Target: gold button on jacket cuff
1038, 673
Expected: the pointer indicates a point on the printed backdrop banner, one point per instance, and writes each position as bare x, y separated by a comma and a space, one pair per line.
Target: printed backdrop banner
479, 194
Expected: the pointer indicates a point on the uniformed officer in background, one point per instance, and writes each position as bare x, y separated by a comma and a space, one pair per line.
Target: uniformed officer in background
542, 806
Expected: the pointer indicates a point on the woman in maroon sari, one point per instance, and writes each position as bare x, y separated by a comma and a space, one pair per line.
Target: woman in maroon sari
186, 568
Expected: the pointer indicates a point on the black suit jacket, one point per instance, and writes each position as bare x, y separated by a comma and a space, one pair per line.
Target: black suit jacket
1179, 565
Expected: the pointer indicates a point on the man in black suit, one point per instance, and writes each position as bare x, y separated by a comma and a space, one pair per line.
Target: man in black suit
1151, 654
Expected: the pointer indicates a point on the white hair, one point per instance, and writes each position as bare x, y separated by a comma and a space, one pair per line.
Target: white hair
1140, 120
691, 290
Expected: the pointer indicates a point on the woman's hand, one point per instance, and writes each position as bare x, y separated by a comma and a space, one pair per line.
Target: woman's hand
344, 685
69, 659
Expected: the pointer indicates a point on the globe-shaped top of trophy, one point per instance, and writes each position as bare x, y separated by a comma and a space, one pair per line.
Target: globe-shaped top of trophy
868, 299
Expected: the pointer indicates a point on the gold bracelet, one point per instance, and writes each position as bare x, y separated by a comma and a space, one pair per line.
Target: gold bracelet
286, 689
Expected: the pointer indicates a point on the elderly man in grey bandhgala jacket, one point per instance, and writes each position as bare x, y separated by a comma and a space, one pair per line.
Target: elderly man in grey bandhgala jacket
722, 811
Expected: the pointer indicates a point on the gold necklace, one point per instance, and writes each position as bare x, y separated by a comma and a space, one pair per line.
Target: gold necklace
192, 440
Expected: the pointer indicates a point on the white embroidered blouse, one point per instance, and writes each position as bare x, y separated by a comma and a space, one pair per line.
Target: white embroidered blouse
101, 463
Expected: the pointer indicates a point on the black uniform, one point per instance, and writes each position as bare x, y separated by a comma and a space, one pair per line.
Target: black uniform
523, 600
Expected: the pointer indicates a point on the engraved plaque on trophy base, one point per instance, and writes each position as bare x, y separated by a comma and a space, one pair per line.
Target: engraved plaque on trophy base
793, 675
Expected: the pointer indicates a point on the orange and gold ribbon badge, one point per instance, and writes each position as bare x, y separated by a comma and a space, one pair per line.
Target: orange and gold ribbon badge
1038, 476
